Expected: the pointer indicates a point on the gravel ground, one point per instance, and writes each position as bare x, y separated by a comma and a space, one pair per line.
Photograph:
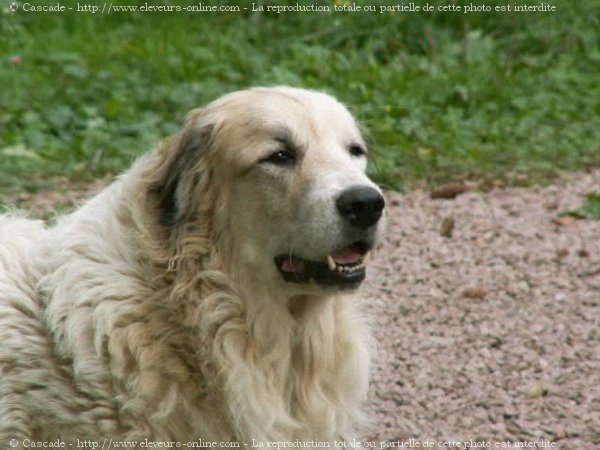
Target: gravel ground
492, 334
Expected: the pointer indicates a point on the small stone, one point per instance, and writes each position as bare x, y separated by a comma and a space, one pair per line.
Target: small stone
449, 190
564, 220
495, 342
474, 292
583, 253
559, 434
447, 228
537, 390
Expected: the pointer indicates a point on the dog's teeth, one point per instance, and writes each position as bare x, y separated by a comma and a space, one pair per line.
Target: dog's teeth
331, 263
366, 257
349, 268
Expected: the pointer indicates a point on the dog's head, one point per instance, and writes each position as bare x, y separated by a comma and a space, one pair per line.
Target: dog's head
278, 177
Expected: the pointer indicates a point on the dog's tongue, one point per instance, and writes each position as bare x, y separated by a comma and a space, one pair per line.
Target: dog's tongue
348, 255
292, 264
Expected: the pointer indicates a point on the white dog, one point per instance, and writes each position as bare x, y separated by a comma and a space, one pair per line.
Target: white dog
207, 294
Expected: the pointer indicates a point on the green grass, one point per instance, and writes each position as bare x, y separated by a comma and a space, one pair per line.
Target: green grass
443, 95
589, 210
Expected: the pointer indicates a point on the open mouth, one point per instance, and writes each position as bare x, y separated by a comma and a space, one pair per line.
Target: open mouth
344, 268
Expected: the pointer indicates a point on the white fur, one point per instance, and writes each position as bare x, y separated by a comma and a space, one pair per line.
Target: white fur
115, 327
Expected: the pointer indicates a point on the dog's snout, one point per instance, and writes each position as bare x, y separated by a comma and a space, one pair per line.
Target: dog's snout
361, 206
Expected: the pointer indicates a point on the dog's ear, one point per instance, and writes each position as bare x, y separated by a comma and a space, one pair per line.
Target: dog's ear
180, 171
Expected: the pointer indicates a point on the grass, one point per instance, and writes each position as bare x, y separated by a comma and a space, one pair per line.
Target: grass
589, 210
443, 95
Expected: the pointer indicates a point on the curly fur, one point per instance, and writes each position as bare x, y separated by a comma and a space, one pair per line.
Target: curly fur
137, 316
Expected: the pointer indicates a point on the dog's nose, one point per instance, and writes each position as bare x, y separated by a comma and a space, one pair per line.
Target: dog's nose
361, 206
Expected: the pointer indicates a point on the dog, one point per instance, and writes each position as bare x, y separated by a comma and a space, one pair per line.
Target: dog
208, 294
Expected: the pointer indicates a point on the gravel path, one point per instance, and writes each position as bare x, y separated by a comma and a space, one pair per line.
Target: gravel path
492, 334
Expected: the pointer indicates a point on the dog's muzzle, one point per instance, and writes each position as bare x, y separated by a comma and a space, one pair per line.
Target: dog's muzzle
361, 208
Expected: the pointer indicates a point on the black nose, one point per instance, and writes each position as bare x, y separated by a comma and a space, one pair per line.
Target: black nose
361, 206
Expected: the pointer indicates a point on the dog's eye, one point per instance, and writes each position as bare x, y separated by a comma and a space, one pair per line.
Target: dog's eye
281, 157
357, 150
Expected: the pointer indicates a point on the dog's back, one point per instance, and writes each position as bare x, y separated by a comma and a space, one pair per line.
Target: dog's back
38, 396
23, 339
